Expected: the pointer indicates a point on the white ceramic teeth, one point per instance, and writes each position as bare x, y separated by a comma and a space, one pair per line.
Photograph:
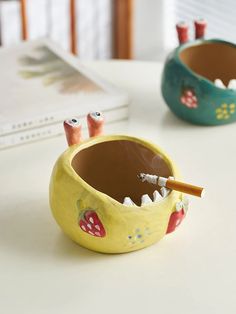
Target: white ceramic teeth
145, 199
156, 196
128, 202
232, 84
219, 83
164, 191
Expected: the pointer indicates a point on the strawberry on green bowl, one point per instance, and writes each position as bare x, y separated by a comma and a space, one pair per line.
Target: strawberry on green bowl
188, 82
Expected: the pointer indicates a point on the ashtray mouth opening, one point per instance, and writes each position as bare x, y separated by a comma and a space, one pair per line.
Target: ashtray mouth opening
112, 167
211, 59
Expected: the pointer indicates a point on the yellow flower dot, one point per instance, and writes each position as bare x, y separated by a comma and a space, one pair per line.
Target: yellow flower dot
224, 106
232, 106
232, 110
225, 111
219, 116
218, 110
226, 116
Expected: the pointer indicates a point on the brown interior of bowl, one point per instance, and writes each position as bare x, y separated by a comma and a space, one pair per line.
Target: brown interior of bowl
112, 167
212, 60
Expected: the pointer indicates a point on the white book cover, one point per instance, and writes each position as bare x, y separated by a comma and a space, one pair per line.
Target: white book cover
41, 84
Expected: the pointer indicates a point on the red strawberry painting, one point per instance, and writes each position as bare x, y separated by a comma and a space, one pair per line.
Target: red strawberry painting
177, 217
91, 224
175, 220
189, 99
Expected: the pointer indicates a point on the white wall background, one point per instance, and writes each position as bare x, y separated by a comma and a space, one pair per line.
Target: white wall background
148, 29
154, 23
50, 18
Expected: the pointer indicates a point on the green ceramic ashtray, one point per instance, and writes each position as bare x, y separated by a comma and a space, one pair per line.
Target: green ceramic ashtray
191, 77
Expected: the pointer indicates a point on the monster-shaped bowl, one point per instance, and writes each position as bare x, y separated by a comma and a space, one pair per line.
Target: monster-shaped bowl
188, 82
88, 185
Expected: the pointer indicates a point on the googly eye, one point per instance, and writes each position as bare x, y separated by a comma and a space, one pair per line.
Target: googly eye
73, 122
96, 115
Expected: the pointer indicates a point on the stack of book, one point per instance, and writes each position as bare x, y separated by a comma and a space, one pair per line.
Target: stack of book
41, 85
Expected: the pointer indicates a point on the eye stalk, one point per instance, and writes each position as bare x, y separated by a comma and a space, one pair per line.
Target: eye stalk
73, 127
95, 121
96, 115
200, 28
74, 122
73, 130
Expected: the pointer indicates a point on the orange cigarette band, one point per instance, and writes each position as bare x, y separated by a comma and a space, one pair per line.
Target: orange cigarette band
95, 121
73, 130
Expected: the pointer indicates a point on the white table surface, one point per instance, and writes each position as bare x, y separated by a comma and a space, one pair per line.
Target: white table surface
190, 271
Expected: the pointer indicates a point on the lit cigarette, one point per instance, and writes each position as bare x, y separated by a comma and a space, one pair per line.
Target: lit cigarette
95, 121
73, 130
182, 30
171, 184
200, 28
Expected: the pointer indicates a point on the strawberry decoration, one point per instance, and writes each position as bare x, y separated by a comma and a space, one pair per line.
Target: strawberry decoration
177, 217
91, 224
189, 99
175, 220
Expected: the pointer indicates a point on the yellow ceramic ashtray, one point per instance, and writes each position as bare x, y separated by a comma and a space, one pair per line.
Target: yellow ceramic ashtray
97, 199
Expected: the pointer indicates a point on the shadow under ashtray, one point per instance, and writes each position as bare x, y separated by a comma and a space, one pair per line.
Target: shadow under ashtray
170, 121
64, 248
28, 231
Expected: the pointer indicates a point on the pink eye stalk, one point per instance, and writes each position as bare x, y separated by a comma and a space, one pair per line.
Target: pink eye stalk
200, 28
182, 31
73, 130
95, 121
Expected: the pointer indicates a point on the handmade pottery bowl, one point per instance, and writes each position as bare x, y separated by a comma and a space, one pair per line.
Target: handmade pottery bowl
188, 82
89, 183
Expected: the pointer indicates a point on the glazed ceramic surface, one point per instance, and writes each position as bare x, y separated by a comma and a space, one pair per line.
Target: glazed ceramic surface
188, 82
88, 184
